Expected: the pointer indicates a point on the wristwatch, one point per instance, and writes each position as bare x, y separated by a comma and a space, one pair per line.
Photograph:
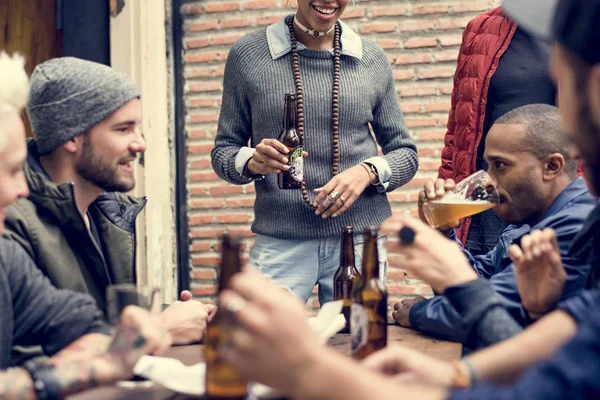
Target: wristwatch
45, 381
374, 171
246, 173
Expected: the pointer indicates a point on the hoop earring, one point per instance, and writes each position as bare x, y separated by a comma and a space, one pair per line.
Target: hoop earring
353, 7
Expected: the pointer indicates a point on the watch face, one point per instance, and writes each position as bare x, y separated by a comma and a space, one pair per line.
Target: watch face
374, 170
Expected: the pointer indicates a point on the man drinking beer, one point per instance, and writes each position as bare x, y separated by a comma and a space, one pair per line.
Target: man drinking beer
537, 184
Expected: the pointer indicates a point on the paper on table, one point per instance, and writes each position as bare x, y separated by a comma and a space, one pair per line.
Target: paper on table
328, 315
176, 376
172, 374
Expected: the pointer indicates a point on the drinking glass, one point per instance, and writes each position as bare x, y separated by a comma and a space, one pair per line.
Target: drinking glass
122, 295
474, 194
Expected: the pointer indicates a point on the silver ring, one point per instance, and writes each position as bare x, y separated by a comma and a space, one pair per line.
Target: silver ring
334, 194
236, 304
326, 203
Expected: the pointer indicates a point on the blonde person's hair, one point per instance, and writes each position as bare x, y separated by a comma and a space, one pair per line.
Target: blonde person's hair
14, 88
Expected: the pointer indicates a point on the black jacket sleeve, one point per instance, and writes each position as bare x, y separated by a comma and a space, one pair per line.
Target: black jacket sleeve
43, 314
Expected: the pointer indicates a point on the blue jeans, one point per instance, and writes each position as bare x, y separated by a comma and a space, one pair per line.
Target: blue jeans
299, 265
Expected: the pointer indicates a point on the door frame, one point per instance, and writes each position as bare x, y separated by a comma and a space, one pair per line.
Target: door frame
140, 47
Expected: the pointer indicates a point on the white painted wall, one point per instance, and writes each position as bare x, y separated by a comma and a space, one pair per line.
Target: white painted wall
139, 48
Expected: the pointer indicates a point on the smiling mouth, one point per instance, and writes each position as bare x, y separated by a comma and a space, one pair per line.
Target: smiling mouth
325, 11
127, 164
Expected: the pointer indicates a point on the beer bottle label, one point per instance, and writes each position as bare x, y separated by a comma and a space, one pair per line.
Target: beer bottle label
297, 164
359, 326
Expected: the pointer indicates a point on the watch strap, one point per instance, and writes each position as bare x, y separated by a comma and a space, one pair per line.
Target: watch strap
246, 173
373, 169
45, 382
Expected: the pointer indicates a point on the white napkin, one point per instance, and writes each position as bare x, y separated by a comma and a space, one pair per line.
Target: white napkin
174, 375
329, 320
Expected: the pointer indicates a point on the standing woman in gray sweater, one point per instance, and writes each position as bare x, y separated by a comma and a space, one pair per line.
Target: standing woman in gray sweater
343, 84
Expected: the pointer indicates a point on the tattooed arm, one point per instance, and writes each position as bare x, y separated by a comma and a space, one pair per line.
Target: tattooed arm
87, 346
69, 326
71, 375
93, 360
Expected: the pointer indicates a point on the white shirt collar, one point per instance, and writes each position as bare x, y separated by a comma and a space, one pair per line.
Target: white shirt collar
278, 37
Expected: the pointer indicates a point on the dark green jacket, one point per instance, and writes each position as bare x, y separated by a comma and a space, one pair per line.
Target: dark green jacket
50, 228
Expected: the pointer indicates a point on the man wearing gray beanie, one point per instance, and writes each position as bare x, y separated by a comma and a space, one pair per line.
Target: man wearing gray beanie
77, 224
69, 96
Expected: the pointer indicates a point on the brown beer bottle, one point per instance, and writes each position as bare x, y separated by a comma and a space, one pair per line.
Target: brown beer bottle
347, 276
368, 326
292, 178
222, 380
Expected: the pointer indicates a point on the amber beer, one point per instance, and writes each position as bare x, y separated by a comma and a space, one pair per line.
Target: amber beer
443, 212
292, 178
222, 380
347, 276
368, 326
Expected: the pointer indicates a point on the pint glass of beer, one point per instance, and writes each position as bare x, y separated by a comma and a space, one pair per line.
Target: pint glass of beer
472, 195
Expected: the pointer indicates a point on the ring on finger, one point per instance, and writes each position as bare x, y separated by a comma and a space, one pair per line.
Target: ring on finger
236, 304
342, 200
334, 194
327, 202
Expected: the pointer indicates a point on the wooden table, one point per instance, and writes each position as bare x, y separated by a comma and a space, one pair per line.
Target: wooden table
190, 355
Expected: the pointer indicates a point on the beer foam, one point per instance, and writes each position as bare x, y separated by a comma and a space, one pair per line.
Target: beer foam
458, 198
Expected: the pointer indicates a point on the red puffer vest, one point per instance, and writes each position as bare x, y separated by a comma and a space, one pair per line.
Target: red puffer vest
485, 39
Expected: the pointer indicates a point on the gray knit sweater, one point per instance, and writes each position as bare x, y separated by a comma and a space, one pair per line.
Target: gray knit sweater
254, 86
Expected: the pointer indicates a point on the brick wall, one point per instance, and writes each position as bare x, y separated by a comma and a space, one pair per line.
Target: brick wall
421, 38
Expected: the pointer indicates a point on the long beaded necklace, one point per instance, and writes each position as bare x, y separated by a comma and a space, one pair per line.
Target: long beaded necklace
335, 98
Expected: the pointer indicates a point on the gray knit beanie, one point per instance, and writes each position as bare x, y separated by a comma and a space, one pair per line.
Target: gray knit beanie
69, 96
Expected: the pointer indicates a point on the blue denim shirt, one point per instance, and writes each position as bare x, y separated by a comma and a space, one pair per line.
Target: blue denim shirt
566, 216
571, 373
586, 244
